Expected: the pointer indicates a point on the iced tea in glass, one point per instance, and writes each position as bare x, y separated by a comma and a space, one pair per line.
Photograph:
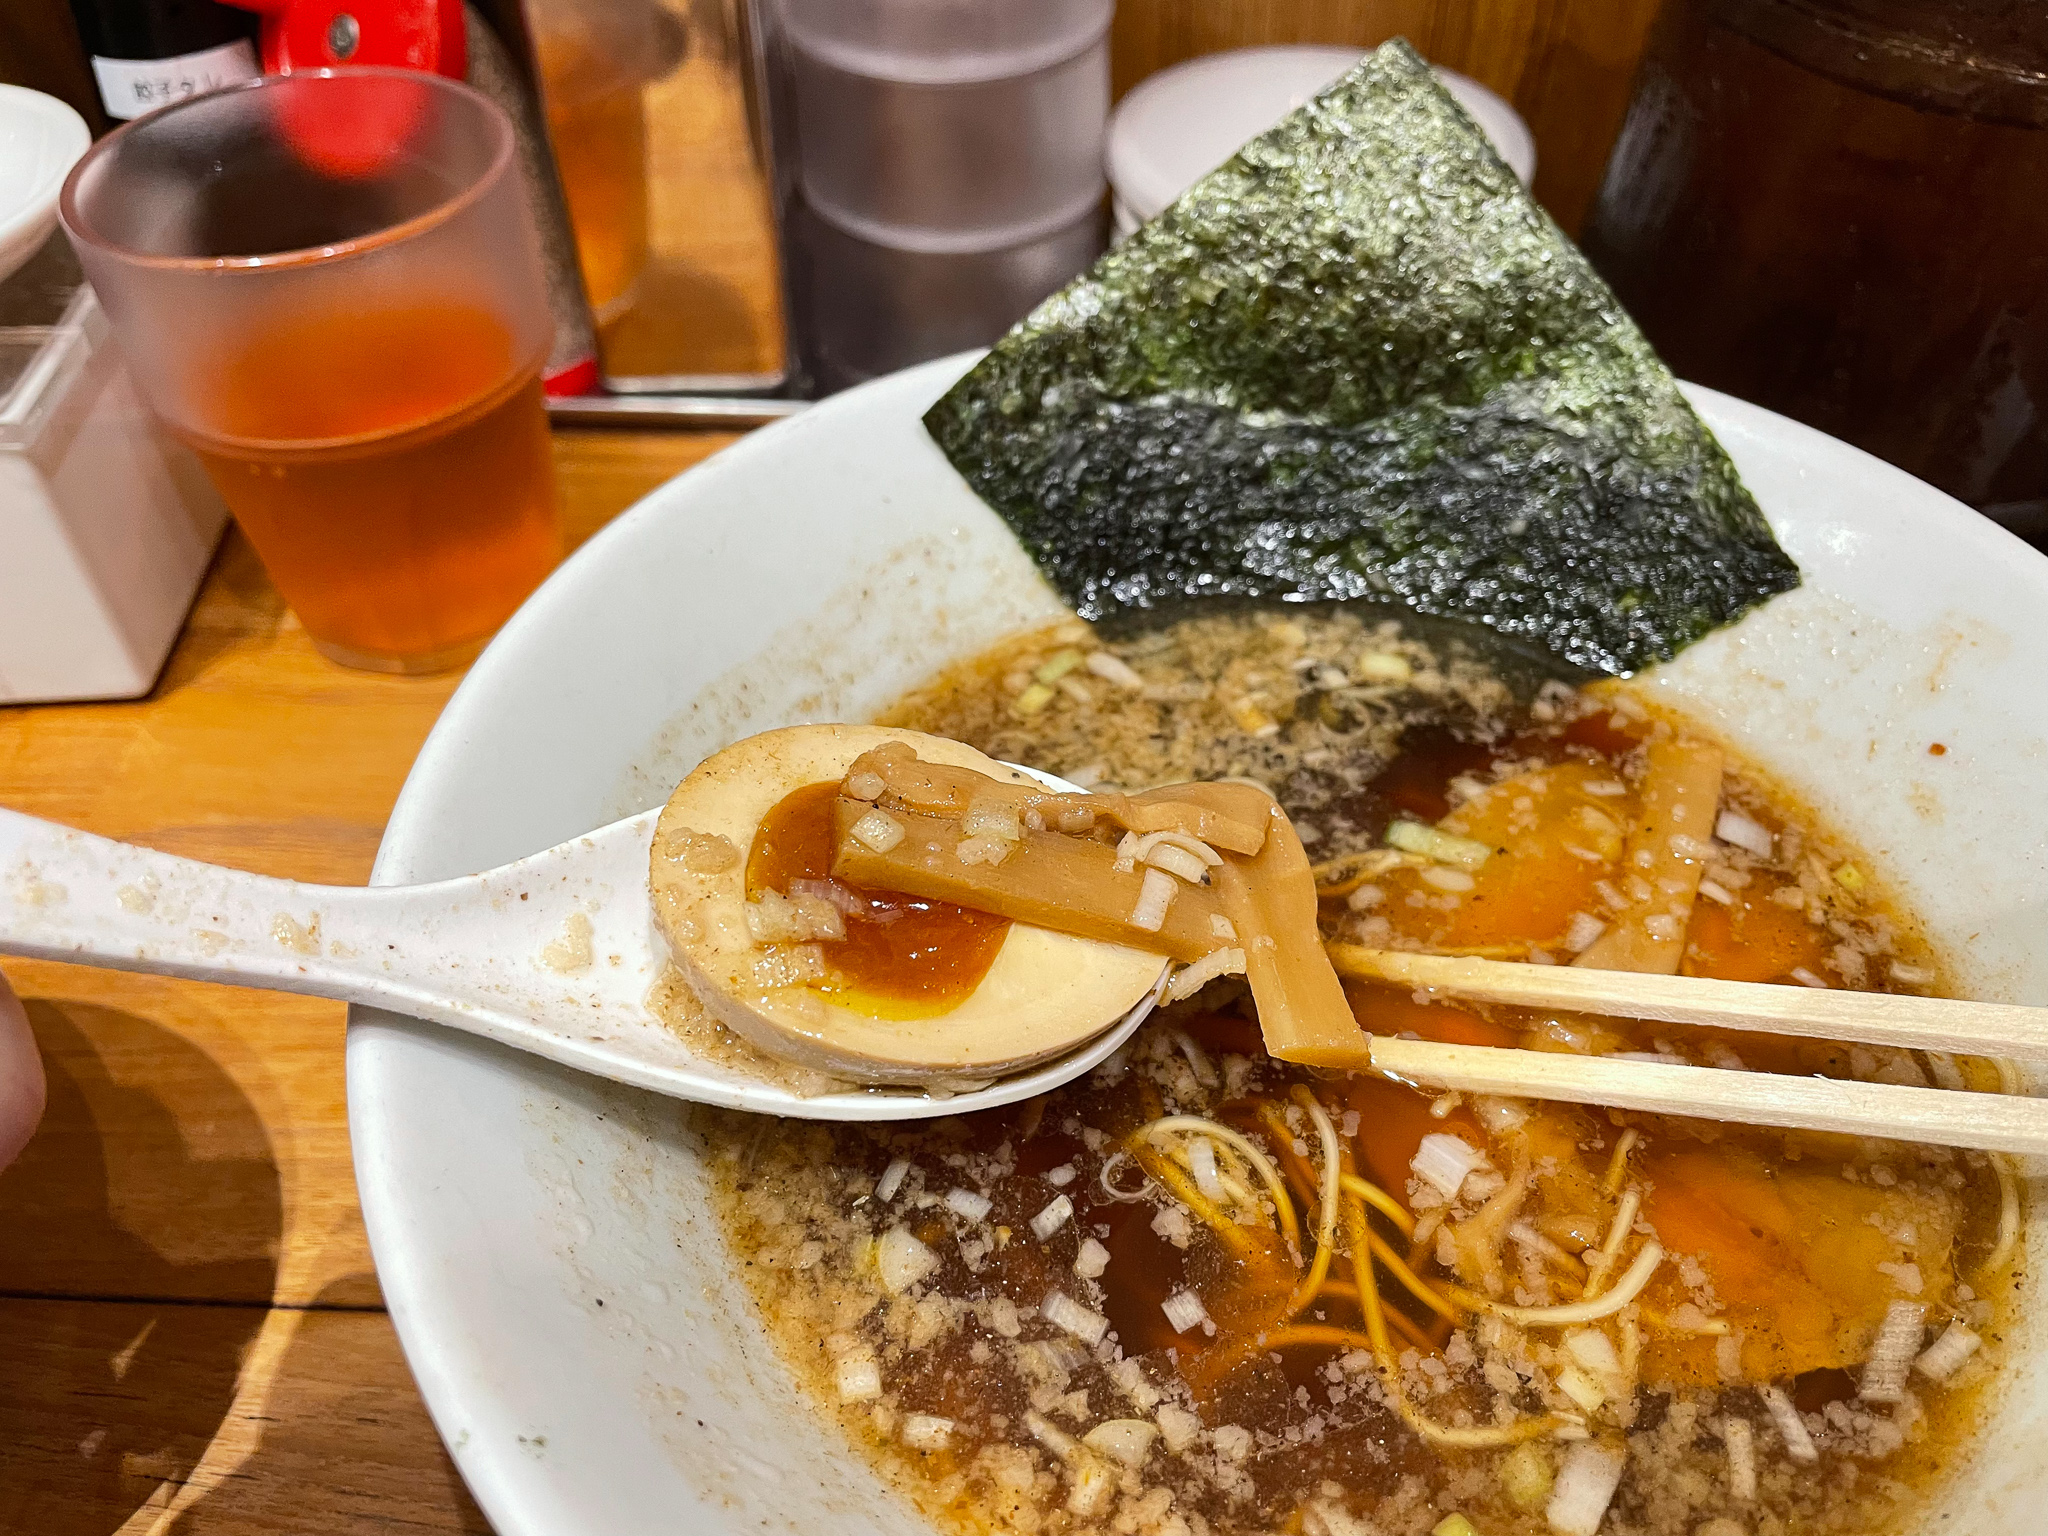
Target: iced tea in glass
328, 284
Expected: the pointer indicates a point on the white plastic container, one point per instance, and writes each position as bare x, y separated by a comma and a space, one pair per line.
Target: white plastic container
107, 526
1180, 124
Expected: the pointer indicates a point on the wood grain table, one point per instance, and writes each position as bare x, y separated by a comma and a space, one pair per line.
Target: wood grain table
191, 1335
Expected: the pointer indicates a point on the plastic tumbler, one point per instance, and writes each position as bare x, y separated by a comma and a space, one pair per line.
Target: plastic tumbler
329, 285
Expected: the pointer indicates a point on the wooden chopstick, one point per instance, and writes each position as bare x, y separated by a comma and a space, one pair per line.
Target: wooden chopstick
1874, 1018
1987, 1122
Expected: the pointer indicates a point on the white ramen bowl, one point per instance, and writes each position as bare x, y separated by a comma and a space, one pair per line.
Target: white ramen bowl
544, 1239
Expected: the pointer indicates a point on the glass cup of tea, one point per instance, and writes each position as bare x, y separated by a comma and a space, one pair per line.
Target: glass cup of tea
328, 284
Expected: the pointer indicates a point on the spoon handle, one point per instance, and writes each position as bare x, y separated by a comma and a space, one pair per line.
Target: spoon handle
69, 895
478, 952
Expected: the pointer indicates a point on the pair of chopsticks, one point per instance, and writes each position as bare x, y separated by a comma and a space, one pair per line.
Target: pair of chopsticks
1986, 1122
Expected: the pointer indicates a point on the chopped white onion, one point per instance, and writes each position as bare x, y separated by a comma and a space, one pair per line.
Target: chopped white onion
1197, 1058
1131, 1379
1791, 1427
1429, 843
1580, 1388
1690, 849
1496, 1114
982, 850
1583, 929
1222, 927
865, 785
1892, 1352
859, 1378
1202, 1164
1444, 1162
1594, 1350
1155, 895
1946, 1073
1114, 670
1068, 1315
1056, 1215
901, 1260
831, 891
1077, 821
1381, 667
777, 919
1713, 890
1184, 1310
1444, 878
1091, 1260
1190, 979
1060, 1177
1751, 836
1050, 1435
965, 1202
877, 831
1807, 978
1126, 1440
1586, 1481
1945, 1356
892, 1179
1740, 1439
1326, 1517
988, 817
926, 1432
1179, 1428
1127, 853
1177, 861
1093, 1488
1728, 1356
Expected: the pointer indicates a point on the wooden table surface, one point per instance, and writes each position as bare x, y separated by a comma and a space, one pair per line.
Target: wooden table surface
191, 1335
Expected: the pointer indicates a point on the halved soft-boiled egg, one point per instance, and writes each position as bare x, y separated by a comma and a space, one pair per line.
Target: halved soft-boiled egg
866, 984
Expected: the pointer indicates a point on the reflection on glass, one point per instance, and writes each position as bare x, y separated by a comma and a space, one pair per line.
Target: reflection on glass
648, 109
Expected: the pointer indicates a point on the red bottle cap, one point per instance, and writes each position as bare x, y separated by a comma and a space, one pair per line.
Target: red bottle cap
425, 35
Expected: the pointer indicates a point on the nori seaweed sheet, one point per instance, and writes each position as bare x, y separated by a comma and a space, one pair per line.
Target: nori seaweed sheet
1358, 361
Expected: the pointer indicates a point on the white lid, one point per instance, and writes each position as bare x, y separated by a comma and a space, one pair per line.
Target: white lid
1183, 122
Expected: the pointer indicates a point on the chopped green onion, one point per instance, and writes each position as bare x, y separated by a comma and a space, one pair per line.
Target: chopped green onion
1033, 699
1526, 1476
1058, 666
1454, 1525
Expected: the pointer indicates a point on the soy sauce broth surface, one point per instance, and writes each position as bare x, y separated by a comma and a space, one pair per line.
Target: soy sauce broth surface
969, 1368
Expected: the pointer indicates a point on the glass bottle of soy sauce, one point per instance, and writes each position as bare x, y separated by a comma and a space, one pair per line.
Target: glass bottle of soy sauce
1839, 209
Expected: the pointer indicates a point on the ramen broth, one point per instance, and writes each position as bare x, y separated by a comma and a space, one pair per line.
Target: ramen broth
1121, 1307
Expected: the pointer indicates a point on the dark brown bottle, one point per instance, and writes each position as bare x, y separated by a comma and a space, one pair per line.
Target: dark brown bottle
1839, 209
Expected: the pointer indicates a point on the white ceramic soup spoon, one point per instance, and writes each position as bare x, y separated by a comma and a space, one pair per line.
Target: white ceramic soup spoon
501, 954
